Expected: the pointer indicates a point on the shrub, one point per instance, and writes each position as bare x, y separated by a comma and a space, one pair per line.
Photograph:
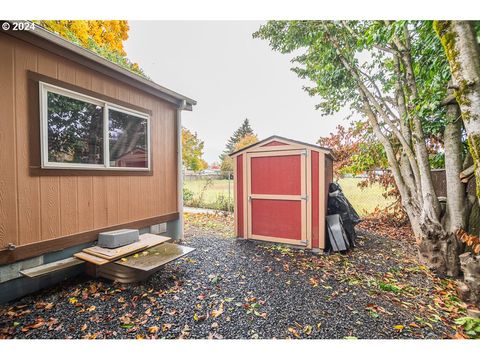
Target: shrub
196, 201
222, 203
187, 196
470, 325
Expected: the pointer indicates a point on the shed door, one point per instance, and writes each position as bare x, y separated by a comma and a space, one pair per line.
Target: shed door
277, 201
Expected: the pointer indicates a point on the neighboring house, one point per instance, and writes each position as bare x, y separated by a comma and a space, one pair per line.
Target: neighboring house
137, 157
85, 146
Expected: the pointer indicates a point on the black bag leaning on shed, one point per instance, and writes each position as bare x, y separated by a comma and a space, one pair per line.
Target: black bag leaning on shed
339, 204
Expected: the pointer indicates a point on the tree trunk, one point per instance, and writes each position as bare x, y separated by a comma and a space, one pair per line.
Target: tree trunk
455, 216
438, 246
429, 233
461, 47
468, 288
460, 43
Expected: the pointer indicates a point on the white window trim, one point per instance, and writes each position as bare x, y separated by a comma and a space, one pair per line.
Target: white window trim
44, 88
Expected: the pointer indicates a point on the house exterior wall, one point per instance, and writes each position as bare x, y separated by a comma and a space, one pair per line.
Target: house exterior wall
46, 210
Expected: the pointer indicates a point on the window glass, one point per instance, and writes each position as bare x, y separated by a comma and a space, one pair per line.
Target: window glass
75, 130
127, 140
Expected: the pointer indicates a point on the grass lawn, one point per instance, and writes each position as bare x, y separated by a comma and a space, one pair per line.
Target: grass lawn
211, 190
363, 200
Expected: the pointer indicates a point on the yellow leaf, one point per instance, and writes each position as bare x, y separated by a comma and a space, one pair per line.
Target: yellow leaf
398, 327
72, 300
153, 329
217, 313
307, 329
293, 331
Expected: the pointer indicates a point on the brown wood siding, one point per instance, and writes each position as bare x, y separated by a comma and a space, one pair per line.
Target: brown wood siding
36, 207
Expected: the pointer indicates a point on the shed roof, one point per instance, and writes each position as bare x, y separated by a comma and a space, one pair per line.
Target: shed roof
50, 41
325, 150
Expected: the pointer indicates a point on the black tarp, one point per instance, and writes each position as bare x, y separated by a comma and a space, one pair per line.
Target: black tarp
339, 204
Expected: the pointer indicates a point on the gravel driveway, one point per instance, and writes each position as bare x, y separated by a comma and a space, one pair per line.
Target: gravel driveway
235, 289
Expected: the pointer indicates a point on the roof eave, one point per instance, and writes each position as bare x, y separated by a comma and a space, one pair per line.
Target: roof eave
52, 42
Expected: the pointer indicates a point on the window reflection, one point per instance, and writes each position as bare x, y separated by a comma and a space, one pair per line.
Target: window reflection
127, 140
75, 130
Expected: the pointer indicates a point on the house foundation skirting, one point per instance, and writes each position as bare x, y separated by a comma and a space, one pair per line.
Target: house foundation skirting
14, 285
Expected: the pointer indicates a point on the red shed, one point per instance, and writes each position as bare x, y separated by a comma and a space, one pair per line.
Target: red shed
281, 188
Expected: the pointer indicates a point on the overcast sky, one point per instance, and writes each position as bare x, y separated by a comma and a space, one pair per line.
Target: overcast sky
232, 76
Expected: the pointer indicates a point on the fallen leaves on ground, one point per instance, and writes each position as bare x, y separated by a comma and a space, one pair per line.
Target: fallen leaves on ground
220, 222
389, 229
223, 298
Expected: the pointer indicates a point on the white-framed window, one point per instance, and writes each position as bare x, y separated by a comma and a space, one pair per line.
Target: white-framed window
81, 132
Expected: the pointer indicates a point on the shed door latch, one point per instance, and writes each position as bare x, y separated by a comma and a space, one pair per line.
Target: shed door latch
304, 198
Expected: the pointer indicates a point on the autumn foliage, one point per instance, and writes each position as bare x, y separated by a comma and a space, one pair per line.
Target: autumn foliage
358, 153
249, 139
245, 141
108, 33
104, 37
469, 240
192, 151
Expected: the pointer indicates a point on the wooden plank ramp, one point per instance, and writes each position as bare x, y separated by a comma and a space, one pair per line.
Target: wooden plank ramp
112, 254
155, 257
51, 267
91, 258
101, 256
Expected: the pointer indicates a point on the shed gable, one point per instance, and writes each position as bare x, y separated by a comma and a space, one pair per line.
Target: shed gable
280, 143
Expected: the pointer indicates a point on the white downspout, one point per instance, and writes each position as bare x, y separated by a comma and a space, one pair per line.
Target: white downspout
180, 222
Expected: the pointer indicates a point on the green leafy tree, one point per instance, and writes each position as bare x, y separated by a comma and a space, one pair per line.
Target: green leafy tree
395, 75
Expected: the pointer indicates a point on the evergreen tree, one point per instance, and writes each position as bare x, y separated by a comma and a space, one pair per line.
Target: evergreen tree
244, 130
